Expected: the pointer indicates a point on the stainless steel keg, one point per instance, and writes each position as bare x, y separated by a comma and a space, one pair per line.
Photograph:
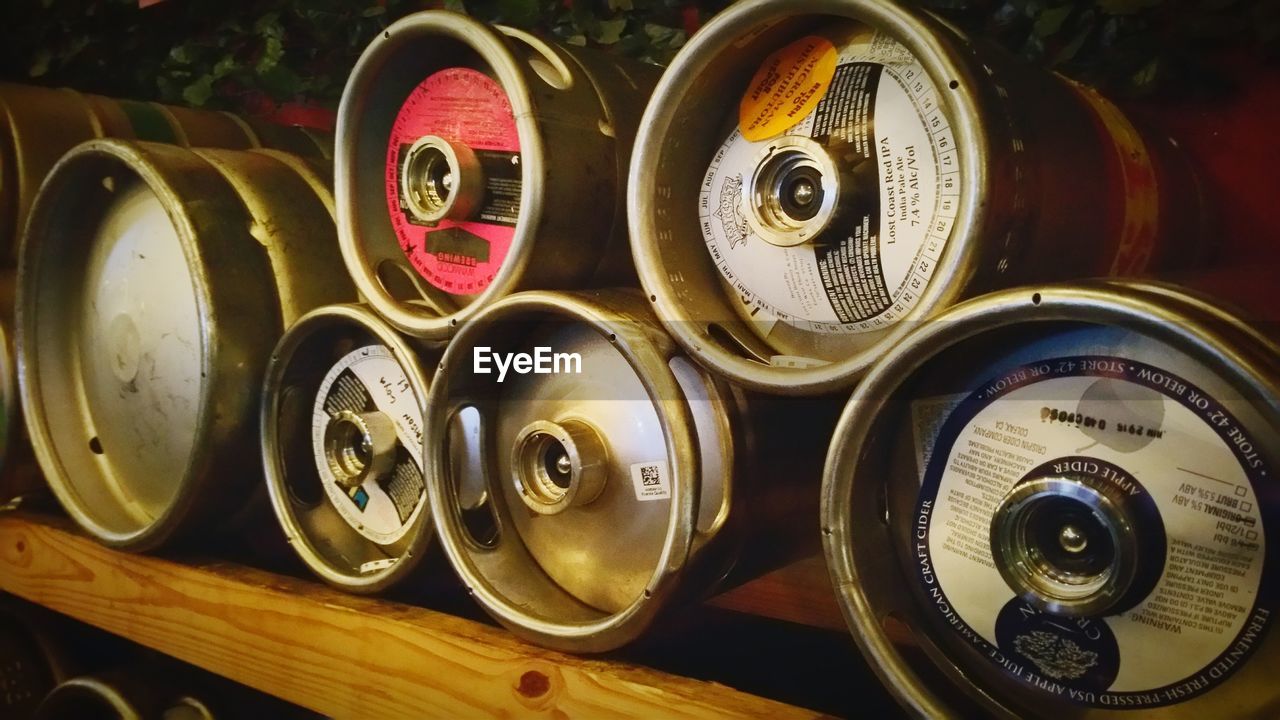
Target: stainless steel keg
38, 125
474, 161
1065, 495
619, 478
140, 363
342, 427
811, 179
31, 662
20, 478
119, 696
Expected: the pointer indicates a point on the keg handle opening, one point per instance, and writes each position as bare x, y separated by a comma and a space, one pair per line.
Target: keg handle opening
359, 446
556, 466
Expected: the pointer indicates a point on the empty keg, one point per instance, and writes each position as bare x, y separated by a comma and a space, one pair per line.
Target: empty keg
115, 696
477, 160
31, 663
1066, 494
342, 426
140, 364
38, 125
619, 478
813, 178
20, 478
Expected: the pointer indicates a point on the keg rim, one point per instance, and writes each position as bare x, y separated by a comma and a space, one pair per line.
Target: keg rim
86, 689
648, 353
9, 231
10, 413
956, 79
308, 326
1163, 311
490, 44
214, 299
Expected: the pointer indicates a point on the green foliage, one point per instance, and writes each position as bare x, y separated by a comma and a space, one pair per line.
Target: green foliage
1127, 47
219, 53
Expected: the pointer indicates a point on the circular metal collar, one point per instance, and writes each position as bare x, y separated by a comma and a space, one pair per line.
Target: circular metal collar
624, 320
234, 299
419, 538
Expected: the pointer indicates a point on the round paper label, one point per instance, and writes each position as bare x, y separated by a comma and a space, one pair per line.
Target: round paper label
369, 379
1177, 454
463, 106
878, 117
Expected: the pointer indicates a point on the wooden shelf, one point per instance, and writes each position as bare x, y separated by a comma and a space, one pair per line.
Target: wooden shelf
337, 654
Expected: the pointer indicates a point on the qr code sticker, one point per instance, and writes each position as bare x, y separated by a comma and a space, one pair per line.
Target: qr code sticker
649, 476
651, 480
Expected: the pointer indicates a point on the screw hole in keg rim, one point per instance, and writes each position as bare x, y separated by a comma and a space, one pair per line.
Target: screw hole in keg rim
1035, 299
953, 84
95, 445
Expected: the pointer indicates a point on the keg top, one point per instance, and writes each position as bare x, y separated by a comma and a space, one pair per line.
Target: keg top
592, 473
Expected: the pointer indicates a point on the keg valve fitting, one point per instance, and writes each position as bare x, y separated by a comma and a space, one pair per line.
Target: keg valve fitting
358, 446
1070, 545
441, 180
557, 465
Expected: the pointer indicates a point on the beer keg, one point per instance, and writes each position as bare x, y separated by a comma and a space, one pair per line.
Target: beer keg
38, 125
1065, 494
140, 364
811, 179
119, 696
620, 478
342, 427
477, 160
20, 478
31, 664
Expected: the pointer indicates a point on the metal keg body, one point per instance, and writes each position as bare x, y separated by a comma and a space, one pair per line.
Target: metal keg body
38, 125
789, 255
140, 367
342, 447
607, 484
1058, 477
463, 147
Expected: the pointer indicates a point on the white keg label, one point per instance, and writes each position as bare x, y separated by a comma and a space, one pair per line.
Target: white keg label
365, 380
880, 122
651, 480
1178, 454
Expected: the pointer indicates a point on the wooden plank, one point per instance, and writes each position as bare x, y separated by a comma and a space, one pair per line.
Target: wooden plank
800, 593
345, 656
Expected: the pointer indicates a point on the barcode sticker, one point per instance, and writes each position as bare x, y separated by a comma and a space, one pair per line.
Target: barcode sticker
652, 480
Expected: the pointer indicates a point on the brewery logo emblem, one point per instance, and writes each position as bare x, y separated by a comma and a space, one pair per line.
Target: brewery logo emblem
730, 213
1058, 657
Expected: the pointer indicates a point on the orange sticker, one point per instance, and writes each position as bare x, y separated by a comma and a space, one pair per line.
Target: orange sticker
787, 87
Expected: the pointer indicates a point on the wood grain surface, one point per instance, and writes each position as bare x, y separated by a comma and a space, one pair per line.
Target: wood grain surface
344, 656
